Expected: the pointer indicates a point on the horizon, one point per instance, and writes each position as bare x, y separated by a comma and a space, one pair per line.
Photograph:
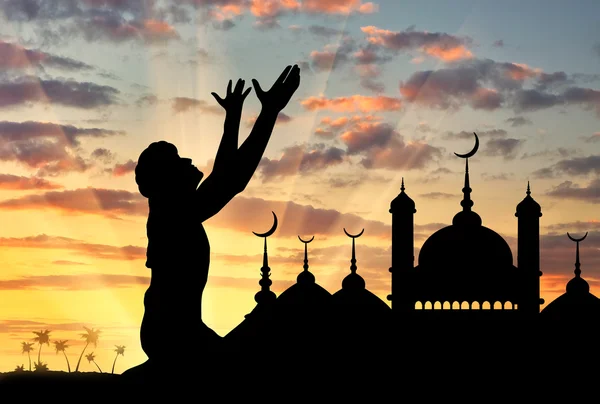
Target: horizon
388, 92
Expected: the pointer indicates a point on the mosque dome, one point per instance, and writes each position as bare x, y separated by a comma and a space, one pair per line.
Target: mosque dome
469, 245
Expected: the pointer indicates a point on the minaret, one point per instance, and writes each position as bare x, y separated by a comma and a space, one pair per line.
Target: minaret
403, 210
577, 285
528, 254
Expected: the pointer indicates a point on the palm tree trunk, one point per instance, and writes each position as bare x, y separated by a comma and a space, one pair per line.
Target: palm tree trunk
29, 354
115, 361
39, 352
98, 366
80, 356
68, 365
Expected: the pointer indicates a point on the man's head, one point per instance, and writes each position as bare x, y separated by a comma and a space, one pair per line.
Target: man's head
161, 172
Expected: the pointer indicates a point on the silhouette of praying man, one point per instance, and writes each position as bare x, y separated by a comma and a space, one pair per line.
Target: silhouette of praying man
178, 252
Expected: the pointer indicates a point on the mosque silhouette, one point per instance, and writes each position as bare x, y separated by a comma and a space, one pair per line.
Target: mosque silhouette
463, 284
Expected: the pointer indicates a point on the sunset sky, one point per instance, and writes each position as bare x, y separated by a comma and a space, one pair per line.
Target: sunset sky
389, 89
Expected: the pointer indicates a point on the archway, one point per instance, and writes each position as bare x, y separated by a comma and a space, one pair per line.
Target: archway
437, 306
508, 306
497, 306
418, 306
455, 306
427, 306
464, 306
446, 306
485, 306
475, 306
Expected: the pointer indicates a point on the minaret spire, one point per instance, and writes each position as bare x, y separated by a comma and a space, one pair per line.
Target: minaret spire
577, 263
466, 203
528, 189
353, 280
402, 186
306, 276
266, 295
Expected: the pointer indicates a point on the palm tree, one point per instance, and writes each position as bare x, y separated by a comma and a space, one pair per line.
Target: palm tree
90, 357
91, 337
27, 347
120, 351
20, 368
43, 337
60, 347
40, 367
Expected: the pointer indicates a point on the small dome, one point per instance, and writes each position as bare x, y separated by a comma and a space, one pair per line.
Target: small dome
578, 285
402, 202
304, 294
528, 206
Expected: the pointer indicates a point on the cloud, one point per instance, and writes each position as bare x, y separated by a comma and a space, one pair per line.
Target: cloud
105, 155
449, 135
506, 148
383, 147
147, 100
489, 85
101, 251
497, 177
434, 44
593, 139
69, 93
123, 169
353, 103
183, 104
438, 195
570, 190
579, 166
332, 56
106, 202
518, 121
560, 152
300, 160
323, 31
596, 48
14, 56
50, 148
16, 182
498, 44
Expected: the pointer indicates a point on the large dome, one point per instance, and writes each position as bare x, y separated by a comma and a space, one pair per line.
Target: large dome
465, 246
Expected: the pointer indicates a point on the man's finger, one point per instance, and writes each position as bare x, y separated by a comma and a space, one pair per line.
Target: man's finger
229, 88
219, 99
282, 76
257, 88
247, 92
239, 85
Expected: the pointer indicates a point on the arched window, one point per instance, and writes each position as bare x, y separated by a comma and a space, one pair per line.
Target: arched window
455, 306
485, 306
497, 306
418, 306
475, 306
437, 306
508, 306
464, 306
427, 306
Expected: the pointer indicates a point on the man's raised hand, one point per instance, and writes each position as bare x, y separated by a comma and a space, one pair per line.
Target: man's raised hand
233, 100
282, 90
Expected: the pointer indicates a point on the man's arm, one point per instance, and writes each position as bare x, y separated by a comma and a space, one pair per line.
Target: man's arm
233, 176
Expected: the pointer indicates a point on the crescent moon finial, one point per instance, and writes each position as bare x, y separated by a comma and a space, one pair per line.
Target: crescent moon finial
354, 236
306, 242
271, 230
472, 152
577, 239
